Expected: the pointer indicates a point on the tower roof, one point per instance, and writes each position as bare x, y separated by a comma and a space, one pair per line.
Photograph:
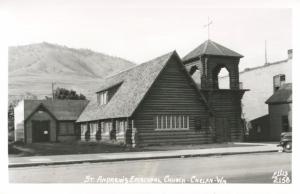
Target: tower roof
210, 47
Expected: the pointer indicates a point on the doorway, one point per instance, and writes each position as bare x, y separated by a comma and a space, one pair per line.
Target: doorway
222, 130
40, 131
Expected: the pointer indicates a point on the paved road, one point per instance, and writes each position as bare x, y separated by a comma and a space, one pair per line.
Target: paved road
245, 168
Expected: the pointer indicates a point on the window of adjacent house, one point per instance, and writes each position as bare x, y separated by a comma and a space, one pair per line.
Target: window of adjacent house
102, 98
121, 126
285, 123
278, 80
172, 122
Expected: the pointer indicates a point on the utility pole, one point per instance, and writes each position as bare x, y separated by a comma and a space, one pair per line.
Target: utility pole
207, 25
53, 90
53, 96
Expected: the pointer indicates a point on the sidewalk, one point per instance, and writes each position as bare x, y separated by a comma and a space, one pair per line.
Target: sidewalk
112, 157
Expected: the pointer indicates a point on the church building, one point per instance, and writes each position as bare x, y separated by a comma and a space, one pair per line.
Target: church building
158, 102
154, 103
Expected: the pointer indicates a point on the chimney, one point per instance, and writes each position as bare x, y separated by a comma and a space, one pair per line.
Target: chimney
290, 54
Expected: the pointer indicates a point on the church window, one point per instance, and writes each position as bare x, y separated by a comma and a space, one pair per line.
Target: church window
106, 127
93, 129
121, 126
102, 98
172, 122
221, 78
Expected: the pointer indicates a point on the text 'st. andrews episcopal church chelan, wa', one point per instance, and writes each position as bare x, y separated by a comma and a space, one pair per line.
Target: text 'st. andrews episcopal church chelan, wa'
157, 102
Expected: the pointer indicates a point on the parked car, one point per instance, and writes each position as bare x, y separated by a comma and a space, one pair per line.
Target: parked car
286, 141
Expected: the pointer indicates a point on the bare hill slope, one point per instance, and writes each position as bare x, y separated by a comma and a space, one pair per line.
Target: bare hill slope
32, 69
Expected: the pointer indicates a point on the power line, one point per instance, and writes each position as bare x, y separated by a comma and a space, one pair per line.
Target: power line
266, 55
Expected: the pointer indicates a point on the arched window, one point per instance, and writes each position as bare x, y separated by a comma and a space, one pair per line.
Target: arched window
221, 78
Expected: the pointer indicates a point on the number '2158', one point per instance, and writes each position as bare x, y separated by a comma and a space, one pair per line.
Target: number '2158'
281, 177
282, 180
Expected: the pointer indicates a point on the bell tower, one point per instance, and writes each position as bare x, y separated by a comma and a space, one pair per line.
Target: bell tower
207, 60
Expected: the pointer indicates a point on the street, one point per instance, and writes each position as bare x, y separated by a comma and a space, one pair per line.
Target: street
243, 168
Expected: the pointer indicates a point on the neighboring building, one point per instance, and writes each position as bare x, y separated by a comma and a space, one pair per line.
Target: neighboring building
47, 120
262, 82
280, 111
159, 103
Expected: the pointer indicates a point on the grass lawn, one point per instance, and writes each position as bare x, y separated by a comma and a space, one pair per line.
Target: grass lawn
43, 149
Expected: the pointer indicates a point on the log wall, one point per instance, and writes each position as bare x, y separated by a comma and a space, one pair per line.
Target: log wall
172, 94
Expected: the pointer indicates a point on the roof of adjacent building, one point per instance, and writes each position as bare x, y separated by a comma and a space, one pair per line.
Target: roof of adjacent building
64, 110
282, 95
210, 47
133, 85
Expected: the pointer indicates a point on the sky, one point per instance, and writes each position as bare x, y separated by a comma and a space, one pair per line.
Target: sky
141, 30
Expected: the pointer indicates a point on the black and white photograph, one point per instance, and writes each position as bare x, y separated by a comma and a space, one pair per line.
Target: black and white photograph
148, 92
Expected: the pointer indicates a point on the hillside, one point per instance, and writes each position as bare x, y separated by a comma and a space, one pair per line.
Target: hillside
32, 69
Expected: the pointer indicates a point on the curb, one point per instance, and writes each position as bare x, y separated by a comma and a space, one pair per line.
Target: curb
131, 159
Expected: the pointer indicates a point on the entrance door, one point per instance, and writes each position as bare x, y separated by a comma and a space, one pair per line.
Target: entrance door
41, 131
222, 130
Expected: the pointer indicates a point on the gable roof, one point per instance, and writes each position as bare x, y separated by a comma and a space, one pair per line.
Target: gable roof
282, 95
135, 82
134, 85
62, 110
210, 47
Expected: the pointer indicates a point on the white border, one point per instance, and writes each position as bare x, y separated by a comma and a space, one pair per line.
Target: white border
139, 188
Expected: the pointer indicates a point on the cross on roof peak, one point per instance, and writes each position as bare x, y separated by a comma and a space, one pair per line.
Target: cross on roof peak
209, 22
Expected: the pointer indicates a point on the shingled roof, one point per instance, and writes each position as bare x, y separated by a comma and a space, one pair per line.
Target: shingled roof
134, 84
210, 47
282, 95
64, 110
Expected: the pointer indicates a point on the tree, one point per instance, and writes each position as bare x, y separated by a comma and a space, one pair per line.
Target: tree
10, 117
13, 101
63, 94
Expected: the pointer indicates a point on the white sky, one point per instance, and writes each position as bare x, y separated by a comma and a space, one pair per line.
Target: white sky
141, 30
